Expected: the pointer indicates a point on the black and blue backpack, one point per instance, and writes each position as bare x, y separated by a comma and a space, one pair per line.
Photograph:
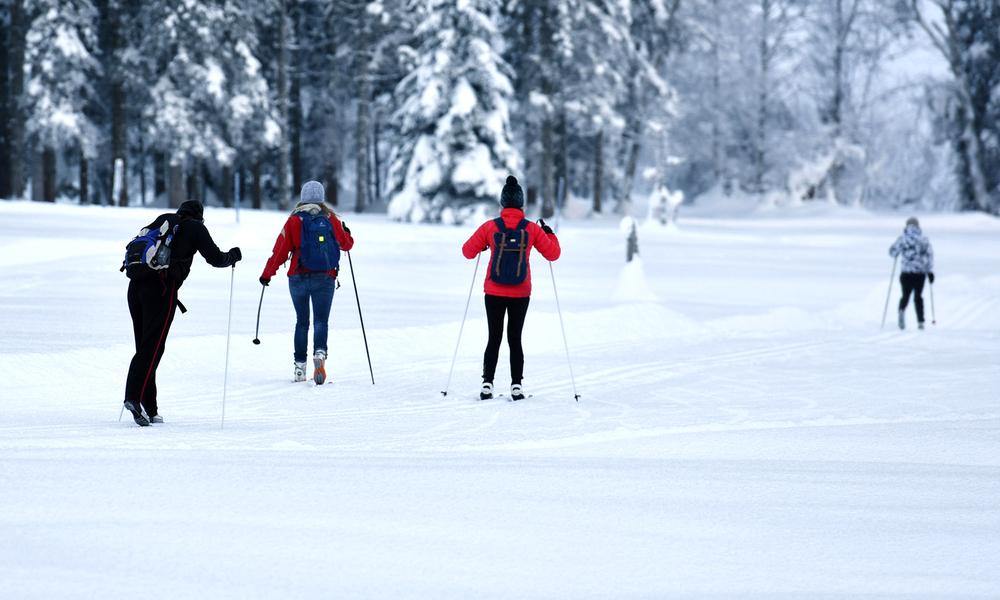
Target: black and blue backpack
319, 250
510, 253
149, 252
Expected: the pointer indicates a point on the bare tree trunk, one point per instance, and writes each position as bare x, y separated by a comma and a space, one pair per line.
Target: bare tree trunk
760, 134
84, 178
548, 183
598, 171
227, 186
119, 132
15, 117
376, 157
143, 159
159, 175
361, 151
5, 34
175, 185
331, 183
717, 170
257, 194
295, 97
284, 195
48, 159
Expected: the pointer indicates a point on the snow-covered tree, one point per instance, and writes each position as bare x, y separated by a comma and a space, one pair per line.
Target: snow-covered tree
967, 34
60, 71
209, 99
455, 148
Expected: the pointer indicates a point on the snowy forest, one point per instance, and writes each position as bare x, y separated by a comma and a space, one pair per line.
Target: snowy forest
420, 108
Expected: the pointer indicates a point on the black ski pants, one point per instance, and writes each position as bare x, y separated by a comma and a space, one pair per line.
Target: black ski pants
913, 283
152, 304
516, 309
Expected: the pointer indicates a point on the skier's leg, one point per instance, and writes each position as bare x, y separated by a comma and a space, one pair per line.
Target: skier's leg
298, 287
918, 298
321, 293
517, 310
159, 303
494, 319
906, 285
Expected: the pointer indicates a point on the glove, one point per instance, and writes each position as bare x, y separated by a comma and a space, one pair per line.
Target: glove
236, 255
545, 228
346, 230
930, 276
265, 281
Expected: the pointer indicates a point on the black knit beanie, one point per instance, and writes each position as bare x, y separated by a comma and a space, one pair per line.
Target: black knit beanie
512, 196
193, 209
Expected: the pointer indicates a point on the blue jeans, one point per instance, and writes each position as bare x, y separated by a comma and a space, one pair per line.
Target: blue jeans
317, 287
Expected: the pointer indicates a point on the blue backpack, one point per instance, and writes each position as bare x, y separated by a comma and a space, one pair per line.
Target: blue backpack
510, 253
319, 250
149, 252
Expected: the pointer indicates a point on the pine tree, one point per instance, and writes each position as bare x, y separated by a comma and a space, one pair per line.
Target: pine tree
60, 70
455, 146
209, 100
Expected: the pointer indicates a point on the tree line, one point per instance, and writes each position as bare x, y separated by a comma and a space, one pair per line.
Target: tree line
421, 107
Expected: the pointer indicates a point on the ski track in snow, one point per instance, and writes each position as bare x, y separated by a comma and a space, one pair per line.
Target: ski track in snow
752, 432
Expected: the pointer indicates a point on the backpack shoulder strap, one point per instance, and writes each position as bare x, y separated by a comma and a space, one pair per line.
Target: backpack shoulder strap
523, 224
500, 225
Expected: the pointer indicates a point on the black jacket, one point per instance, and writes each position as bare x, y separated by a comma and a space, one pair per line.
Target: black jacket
192, 236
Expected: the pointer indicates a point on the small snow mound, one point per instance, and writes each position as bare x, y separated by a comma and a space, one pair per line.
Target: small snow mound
632, 285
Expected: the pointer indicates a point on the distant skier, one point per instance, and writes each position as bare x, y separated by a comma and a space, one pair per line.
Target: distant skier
155, 276
508, 281
314, 237
918, 261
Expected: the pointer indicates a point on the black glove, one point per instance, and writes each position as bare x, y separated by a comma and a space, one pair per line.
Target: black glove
346, 230
545, 228
235, 255
930, 276
265, 281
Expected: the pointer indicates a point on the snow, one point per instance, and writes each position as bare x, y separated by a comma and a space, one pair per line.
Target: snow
751, 432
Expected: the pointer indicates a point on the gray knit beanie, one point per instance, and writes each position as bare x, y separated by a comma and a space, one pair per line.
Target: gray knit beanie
312, 193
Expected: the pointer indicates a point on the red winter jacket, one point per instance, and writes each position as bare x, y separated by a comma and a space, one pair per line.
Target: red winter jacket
290, 239
547, 244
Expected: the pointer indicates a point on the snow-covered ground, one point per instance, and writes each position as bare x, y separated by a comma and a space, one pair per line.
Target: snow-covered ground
744, 428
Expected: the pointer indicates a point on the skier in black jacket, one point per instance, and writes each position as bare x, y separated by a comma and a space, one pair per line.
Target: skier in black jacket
152, 301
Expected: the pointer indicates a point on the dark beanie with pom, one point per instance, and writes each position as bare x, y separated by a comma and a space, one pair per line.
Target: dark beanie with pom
512, 196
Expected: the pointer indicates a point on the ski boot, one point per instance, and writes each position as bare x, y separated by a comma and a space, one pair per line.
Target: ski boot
319, 367
140, 419
516, 392
300, 372
156, 419
920, 325
487, 392
902, 319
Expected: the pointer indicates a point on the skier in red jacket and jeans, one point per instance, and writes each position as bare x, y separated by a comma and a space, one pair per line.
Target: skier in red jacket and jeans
508, 280
305, 284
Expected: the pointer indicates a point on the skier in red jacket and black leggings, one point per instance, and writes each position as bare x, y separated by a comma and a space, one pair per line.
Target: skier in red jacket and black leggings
508, 280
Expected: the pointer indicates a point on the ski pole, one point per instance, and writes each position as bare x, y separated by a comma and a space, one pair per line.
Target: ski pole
885, 311
462, 326
361, 318
229, 327
256, 335
572, 379
122, 412
933, 318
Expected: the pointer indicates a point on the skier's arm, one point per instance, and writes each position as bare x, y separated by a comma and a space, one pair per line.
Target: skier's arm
207, 248
546, 243
478, 242
344, 239
282, 249
894, 249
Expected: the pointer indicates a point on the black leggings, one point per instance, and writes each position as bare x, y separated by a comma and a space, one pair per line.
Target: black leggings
913, 282
152, 303
516, 309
